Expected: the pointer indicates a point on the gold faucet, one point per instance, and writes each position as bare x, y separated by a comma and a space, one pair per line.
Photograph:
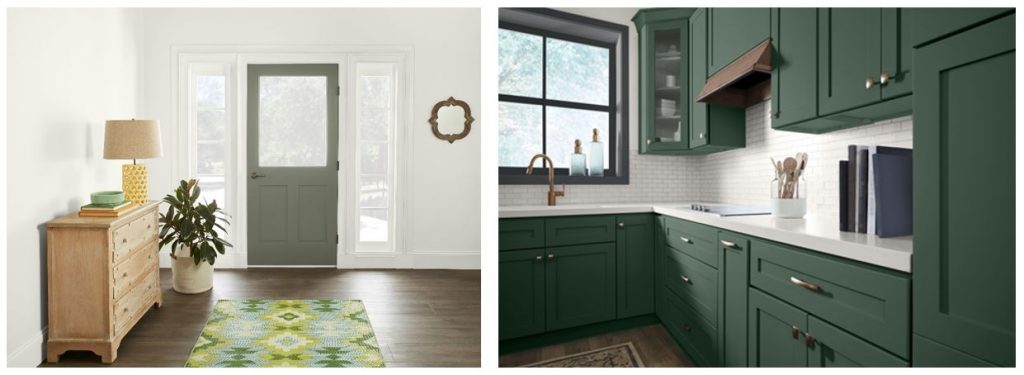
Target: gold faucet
551, 178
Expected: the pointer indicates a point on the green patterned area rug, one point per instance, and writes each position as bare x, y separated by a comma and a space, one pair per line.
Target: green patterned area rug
287, 333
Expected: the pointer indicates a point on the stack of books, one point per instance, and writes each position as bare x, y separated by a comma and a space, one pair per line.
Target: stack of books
106, 210
876, 192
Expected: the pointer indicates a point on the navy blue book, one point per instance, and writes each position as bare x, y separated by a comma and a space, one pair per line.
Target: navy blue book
844, 198
894, 199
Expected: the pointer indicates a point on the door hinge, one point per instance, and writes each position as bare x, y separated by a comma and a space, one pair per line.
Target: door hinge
338, 90
335, 239
338, 165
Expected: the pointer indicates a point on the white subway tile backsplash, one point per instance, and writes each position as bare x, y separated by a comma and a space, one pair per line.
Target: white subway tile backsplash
740, 176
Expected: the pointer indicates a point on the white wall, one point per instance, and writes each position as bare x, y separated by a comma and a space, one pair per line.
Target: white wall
68, 71
445, 215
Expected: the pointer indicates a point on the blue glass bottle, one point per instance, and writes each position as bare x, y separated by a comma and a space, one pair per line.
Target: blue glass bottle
578, 161
596, 156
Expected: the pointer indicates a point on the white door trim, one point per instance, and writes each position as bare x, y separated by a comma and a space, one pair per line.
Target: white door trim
342, 55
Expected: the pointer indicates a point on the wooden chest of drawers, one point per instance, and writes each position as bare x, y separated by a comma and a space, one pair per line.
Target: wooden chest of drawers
102, 277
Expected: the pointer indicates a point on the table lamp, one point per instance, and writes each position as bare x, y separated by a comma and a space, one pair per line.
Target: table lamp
132, 139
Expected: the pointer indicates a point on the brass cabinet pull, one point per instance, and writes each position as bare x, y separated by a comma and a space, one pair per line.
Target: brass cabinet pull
804, 284
685, 279
684, 239
731, 245
551, 257
869, 83
796, 332
884, 78
539, 258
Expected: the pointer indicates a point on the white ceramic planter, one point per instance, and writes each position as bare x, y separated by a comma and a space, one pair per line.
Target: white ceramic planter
190, 278
789, 208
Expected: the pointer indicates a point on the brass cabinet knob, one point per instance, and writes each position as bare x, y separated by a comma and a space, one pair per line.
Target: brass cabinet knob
796, 332
701, 136
684, 239
869, 83
884, 78
649, 141
622, 225
809, 340
538, 259
551, 257
685, 279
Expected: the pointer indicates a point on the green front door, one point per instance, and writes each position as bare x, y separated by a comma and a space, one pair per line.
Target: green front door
775, 333
292, 156
849, 58
520, 293
964, 252
634, 258
580, 285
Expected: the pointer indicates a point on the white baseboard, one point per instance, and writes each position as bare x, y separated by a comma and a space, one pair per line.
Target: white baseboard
458, 260
30, 353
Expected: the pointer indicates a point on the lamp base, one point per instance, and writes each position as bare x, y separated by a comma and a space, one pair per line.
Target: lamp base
135, 182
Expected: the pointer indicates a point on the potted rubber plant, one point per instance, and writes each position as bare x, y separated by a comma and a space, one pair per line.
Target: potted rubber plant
193, 230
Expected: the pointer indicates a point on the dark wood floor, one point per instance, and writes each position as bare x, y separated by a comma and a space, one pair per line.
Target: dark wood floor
422, 318
652, 343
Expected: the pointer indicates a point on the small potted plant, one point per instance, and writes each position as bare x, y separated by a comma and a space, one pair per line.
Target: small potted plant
193, 230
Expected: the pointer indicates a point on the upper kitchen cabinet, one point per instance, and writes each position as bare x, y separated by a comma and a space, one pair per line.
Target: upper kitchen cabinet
964, 128
859, 59
928, 24
713, 127
664, 112
733, 31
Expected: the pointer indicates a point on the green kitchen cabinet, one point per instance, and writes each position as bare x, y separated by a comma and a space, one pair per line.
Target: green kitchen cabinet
580, 282
733, 282
515, 234
734, 31
521, 293
849, 58
964, 254
775, 335
634, 260
782, 335
712, 127
794, 65
664, 113
929, 24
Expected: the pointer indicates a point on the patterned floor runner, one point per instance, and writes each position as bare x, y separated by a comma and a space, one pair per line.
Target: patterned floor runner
620, 355
287, 333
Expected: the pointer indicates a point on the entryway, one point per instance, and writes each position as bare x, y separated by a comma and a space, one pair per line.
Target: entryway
292, 157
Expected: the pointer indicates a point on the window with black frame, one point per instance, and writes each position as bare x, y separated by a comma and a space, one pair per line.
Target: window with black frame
555, 87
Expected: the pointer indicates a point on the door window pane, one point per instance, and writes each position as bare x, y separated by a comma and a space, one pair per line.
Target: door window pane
293, 121
566, 125
577, 72
521, 133
376, 98
520, 65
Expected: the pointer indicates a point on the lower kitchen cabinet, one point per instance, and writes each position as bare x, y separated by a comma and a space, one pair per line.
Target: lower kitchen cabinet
782, 335
634, 259
580, 284
964, 254
521, 297
733, 281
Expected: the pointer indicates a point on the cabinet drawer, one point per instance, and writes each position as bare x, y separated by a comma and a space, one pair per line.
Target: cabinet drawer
694, 334
696, 240
514, 234
869, 302
136, 298
694, 282
131, 236
576, 230
129, 273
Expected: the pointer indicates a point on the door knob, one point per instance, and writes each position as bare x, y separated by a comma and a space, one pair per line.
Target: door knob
255, 175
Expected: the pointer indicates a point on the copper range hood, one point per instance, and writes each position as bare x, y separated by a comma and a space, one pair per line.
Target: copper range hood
744, 82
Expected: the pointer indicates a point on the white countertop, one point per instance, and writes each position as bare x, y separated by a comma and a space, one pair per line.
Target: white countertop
814, 233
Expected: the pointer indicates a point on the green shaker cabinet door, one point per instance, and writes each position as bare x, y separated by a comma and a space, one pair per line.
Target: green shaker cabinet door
964, 251
733, 283
775, 333
849, 58
929, 24
897, 53
712, 127
794, 65
832, 347
664, 110
580, 285
520, 293
514, 234
733, 32
634, 257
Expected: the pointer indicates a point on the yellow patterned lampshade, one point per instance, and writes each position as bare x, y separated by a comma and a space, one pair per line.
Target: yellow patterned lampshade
132, 139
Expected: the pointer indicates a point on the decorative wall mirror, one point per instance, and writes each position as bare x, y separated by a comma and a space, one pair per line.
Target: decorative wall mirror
450, 120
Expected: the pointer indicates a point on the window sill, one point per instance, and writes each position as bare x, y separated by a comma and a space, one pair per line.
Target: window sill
542, 179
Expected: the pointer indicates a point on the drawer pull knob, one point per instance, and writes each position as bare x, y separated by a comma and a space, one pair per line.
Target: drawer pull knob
731, 245
622, 225
884, 78
684, 239
869, 83
804, 284
539, 258
796, 332
551, 257
685, 279
686, 327
809, 340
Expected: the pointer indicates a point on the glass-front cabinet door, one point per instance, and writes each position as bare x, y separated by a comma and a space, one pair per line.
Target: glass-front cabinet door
663, 83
